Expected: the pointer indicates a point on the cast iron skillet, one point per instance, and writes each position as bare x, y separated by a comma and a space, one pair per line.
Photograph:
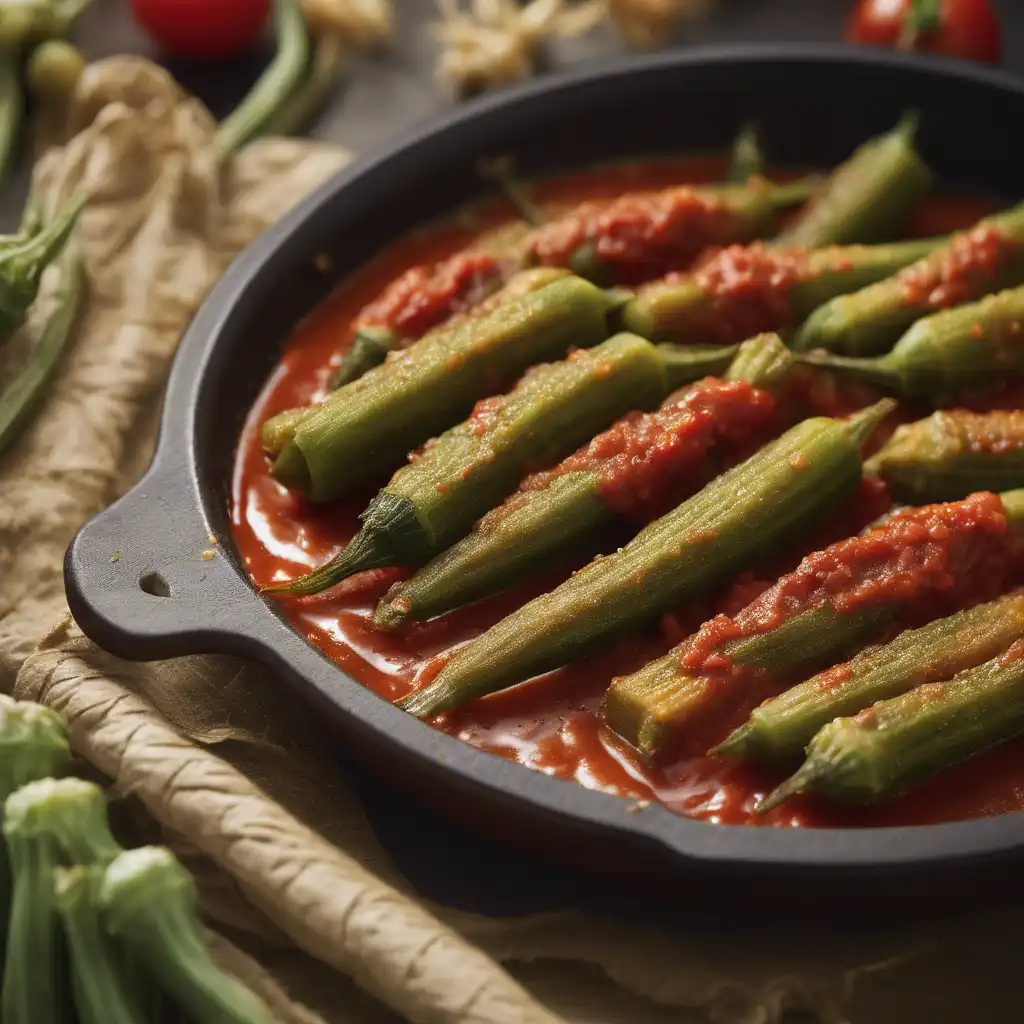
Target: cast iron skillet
138, 585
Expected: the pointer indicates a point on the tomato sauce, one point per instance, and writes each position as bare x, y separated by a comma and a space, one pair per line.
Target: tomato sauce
646, 461
551, 724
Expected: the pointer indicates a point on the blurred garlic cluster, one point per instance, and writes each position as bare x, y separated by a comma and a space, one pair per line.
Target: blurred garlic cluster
493, 42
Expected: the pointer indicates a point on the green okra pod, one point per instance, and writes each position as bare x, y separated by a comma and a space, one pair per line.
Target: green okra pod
435, 499
967, 348
782, 727
148, 903
375, 339
656, 231
102, 992
372, 423
33, 745
951, 454
869, 197
721, 530
971, 264
22, 265
640, 466
896, 743
48, 823
914, 563
747, 159
743, 290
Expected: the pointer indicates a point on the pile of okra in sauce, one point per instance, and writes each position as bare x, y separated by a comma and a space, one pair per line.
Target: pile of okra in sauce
689, 481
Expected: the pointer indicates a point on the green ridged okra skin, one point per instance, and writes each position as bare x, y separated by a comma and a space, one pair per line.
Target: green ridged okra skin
563, 514
102, 994
869, 197
968, 348
782, 727
653, 706
716, 533
896, 743
746, 289
33, 745
148, 903
952, 453
434, 500
971, 264
376, 420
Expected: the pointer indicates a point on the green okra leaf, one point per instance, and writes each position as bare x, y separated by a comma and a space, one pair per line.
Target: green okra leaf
148, 903
898, 742
718, 532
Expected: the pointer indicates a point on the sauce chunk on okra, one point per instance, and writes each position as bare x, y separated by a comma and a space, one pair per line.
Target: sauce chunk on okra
702, 490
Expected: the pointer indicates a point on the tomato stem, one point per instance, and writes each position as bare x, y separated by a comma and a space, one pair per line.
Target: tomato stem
923, 16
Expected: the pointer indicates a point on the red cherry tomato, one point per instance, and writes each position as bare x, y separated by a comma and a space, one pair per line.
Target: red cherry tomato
958, 28
202, 28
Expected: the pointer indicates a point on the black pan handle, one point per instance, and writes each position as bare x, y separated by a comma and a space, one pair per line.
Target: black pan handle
146, 579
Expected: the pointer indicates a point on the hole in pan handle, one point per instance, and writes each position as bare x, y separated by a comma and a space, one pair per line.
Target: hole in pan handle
146, 579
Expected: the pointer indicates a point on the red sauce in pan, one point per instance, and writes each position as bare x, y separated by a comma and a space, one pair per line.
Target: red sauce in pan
550, 724
646, 460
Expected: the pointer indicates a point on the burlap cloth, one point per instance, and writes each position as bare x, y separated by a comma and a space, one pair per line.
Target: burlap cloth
216, 757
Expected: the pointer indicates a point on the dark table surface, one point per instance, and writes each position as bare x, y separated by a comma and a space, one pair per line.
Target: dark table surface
379, 98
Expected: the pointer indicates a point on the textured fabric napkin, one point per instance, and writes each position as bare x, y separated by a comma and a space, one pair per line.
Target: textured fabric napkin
213, 755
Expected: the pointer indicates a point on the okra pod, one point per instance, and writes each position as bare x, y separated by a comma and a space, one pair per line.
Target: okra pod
743, 290
22, 265
951, 454
869, 197
782, 727
971, 264
724, 528
644, 234
747, 159
411, 305
640, 467
33, 745
47, 824
968, 348
435, 499
372, 423
102, 993
148, 902
915, 564
897, 742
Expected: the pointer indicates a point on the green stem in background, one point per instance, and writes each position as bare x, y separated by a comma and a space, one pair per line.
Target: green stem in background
148, 902
12, 109
24, 393
303, 106
923, 16
278, 82
501, 171
102, 994
747, 156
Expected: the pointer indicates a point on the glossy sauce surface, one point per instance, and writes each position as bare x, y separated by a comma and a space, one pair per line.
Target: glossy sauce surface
550, 724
